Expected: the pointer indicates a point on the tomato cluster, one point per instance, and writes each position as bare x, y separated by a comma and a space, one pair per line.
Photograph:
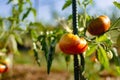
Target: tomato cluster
72, 44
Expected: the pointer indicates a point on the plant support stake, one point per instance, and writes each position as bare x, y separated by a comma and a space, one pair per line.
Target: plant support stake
75, 31
77, 65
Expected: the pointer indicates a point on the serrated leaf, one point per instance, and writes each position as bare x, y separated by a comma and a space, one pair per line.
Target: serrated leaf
26, 14
44, 45
67, 4
36, 55
117, 4
102, 57
91, 50
50, 55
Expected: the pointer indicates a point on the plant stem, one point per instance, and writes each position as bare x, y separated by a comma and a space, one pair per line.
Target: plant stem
84, 21
82, 66
115, 23
82, 62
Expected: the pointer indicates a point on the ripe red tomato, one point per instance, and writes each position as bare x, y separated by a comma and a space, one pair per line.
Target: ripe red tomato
3, 68
72, 44
99, 25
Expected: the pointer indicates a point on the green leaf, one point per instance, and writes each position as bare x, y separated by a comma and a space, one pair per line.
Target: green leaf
34, 11
92, 49
102, 38
67, 4
50, 55
69, 17
34, 35
118, 69
18, 38
102, 57
29, 1
36, 54
9, 1
114, 24
87, 2
117, 4
36, 26
36, 57
26, 14
115, 58
82, 62
67, 59
79, 2
42, 40
12, 44
20, 8
118, 41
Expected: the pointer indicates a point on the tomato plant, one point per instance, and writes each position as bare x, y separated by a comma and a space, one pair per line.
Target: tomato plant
11, 30
99, 25
72, 44
76, 43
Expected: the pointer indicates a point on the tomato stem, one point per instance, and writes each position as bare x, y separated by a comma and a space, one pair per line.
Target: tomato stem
82, 62
115, 23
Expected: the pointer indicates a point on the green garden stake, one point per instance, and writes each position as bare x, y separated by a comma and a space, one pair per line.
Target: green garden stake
77, 66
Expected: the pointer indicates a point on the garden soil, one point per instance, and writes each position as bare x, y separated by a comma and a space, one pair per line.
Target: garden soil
25, 72
28, 72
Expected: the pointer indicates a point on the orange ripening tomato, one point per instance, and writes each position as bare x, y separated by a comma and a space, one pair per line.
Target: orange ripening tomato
72, 44
3, 68
99, 25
